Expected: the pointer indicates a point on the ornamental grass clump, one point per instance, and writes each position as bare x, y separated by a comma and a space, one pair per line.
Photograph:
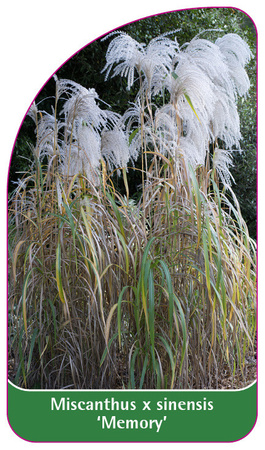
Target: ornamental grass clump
109, 292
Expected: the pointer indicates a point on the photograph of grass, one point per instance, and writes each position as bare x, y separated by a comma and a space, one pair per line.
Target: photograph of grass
130, 263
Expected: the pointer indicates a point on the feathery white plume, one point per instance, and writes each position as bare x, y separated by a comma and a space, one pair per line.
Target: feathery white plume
115, 148
48, 130
237, 54
125, 55
82, 105
33, 112
222, 160
202, 80
83, 154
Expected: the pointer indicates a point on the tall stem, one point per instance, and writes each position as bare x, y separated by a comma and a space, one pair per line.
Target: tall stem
142, 141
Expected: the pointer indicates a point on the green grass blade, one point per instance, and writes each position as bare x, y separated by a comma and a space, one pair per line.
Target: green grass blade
191, 105
151, 309
184, 331
132, 368
170, 294
107, 349
207, 265
58, 273
171, 358
125, 248
145, 364
24, 299
132, 135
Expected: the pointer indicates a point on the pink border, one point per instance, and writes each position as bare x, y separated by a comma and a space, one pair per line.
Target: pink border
137, 20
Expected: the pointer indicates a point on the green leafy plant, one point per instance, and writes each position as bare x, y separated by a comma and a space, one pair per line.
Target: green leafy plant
109, 292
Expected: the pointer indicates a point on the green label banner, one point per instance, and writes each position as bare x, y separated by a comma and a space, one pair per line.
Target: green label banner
131, 416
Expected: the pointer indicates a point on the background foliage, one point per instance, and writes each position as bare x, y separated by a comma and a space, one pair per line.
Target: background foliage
85, 68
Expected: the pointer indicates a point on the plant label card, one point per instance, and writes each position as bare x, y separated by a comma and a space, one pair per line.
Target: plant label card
132, 238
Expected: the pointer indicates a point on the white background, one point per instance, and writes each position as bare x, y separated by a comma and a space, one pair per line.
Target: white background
37, 37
